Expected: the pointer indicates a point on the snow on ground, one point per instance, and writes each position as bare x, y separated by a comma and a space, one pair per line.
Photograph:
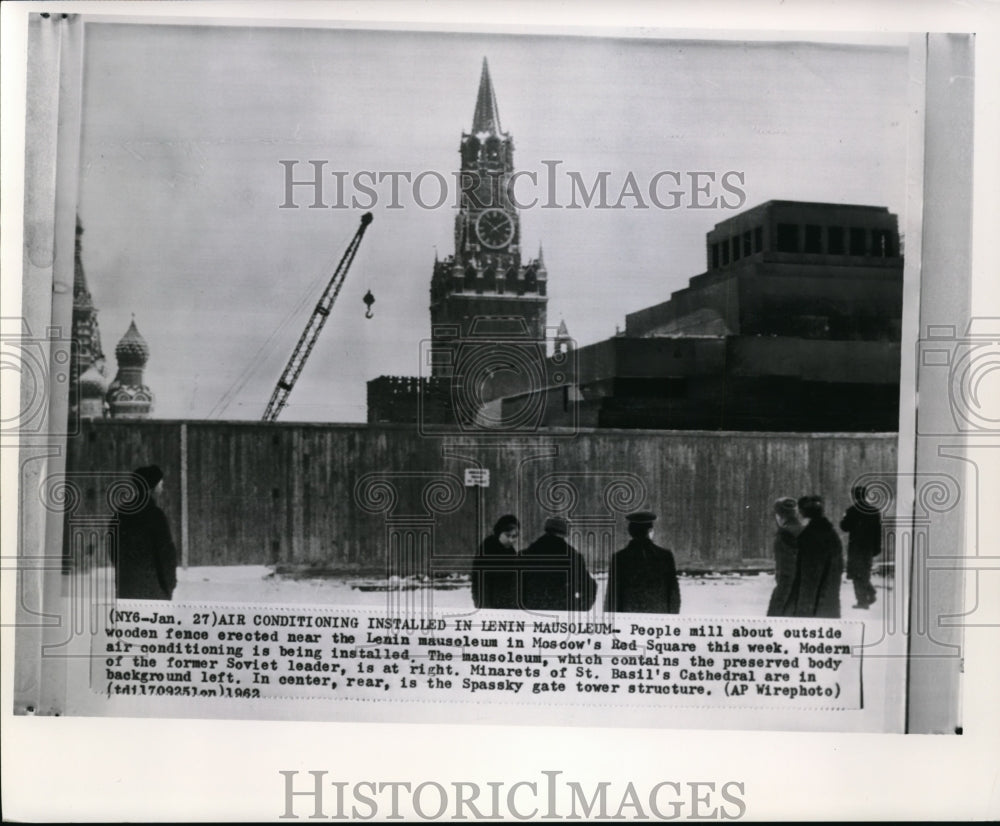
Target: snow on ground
714, 595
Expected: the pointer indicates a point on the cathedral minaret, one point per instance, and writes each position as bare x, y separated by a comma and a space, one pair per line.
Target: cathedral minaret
88, 382
128, 397
485, 288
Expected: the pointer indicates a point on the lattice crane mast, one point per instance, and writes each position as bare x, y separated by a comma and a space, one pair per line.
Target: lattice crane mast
279, 398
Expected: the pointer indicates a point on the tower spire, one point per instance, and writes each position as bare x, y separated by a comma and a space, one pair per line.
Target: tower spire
89, 357
564, 343
80, 290
487, 116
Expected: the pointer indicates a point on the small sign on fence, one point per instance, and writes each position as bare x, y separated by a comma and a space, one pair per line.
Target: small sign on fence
477, 476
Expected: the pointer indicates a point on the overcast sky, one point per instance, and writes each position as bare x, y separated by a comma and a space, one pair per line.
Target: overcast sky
184, 128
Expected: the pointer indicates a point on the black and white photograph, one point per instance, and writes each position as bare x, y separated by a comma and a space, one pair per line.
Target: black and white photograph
540, 383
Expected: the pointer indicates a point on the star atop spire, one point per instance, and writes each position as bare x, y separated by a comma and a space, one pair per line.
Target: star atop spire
487, 116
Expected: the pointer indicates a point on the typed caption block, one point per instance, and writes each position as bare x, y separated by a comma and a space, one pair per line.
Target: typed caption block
255, 653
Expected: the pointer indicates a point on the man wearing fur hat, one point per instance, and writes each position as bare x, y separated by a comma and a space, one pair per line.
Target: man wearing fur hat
642, 577
554, 575
144, 554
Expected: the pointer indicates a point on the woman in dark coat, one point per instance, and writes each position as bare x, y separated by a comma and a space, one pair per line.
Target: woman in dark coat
820, 564
494, 570
642, 576
143, 553
786, 549
863, 525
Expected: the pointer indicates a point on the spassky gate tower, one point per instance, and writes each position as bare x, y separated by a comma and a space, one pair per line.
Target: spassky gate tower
484, 289
487, 307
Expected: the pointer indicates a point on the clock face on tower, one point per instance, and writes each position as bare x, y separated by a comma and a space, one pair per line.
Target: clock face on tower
495, 228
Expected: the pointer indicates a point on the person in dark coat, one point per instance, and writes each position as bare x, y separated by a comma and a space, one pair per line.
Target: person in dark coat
494, 570
786, 549
863, 525
554, 575
642, 577
144, 555
816, 591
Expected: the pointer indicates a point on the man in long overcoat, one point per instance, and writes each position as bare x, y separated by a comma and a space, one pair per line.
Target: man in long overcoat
863, 525
816, 592
143, 553
554, 575
786, 550
642, 577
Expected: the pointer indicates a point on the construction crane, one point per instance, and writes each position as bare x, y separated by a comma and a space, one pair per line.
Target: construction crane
279, 398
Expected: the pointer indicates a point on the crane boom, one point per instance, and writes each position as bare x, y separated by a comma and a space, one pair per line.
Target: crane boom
279, 398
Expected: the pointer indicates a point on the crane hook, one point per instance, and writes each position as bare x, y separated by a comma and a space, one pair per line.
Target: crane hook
369, 299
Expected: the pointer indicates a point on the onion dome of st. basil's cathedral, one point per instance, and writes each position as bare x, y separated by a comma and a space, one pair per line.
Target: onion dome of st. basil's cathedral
128, 397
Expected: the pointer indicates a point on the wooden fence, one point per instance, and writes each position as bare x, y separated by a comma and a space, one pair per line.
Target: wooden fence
384, 499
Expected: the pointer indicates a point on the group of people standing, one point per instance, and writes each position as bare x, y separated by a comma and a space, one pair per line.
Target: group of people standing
550, 574
809, 556
560, 579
